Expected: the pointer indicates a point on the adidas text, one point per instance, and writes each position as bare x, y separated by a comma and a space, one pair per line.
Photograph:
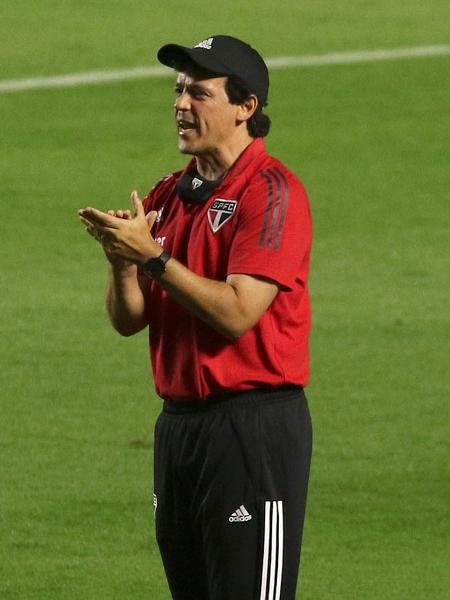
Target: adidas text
240, 515
236, 519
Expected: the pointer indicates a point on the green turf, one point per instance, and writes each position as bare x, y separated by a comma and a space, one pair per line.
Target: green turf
371, 143
59, 36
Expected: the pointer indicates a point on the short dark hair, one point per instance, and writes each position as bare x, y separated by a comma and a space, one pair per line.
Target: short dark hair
259, 124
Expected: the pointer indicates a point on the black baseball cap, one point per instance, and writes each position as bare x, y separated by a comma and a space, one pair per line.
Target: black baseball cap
222, 55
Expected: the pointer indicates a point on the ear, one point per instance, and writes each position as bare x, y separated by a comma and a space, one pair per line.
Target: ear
247, 109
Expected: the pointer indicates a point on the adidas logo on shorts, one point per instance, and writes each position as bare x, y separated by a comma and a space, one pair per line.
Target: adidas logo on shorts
241, 514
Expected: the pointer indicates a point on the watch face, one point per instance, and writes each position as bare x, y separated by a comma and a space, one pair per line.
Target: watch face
154, 267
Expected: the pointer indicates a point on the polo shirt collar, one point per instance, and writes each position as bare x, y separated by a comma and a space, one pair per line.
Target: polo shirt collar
255, 149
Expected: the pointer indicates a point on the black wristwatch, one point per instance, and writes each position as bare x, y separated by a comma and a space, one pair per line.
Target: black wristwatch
156, 266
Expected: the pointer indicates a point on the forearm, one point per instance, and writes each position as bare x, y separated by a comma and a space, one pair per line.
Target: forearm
231, 307
230, 310
125, 300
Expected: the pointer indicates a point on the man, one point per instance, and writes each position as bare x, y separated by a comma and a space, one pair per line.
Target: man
216, 262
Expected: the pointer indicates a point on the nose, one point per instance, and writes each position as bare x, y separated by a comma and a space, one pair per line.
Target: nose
182, 102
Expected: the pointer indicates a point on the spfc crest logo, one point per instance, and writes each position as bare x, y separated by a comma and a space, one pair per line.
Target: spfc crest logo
220, 212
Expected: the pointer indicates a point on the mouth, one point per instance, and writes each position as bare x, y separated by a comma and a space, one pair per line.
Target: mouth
185, 126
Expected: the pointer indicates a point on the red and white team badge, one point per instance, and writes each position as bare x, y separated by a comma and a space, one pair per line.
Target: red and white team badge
220, 212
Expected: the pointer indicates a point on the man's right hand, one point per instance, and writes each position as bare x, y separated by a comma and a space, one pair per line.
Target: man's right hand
116, 261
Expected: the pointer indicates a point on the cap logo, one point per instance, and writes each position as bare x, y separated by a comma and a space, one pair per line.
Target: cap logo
196, 183
206, 44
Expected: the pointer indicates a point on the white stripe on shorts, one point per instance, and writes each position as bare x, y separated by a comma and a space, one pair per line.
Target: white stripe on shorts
272, 567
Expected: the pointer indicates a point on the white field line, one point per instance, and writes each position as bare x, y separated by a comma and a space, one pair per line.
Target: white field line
277, 62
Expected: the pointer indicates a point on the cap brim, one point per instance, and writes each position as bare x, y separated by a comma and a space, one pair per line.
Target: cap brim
180, 57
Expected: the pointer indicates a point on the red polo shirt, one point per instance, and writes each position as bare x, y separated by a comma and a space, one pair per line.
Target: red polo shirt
257, 222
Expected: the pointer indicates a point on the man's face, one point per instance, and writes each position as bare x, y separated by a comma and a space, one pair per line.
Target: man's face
205, 118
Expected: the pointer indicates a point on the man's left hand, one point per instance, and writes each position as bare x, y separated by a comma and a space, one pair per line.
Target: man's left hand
122, 236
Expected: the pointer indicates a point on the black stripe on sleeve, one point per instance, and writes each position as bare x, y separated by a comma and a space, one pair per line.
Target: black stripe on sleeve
268, 207
276, 208
283, 209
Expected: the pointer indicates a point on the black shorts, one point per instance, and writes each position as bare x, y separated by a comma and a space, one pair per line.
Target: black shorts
230, 491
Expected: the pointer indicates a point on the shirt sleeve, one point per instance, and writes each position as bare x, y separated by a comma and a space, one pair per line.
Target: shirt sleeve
273, 235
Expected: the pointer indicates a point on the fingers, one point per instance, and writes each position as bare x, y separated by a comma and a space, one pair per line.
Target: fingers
95, 233
90, 227
92, 230
151, 218
109, 218
136, 202
139, 209
120, 214
97, 217
98, 223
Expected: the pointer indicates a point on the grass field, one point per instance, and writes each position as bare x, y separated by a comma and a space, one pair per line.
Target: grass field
371, 143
